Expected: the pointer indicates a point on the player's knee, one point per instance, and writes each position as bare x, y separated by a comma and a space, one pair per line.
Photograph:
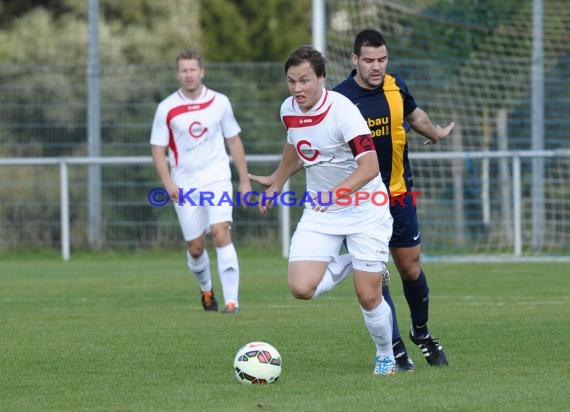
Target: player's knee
301, 291
408, 268
196, 246
410, 273
195, 251
369, 301
221, 234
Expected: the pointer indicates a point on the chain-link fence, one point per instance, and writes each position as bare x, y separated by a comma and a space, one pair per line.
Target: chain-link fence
43, 114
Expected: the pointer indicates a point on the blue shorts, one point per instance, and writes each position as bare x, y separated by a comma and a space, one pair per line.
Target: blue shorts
405, 231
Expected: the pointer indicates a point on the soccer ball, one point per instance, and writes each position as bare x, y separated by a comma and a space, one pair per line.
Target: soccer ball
257, 363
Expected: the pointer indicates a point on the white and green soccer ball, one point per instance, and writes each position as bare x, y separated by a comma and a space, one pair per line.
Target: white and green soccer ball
257, 363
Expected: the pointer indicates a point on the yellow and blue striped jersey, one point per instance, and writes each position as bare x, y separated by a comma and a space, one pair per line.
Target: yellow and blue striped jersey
385, 109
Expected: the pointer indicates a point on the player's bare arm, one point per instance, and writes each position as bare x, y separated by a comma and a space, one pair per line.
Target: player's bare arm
269, 179
161, 166
287, 167
366, 170
421, 123
237, 152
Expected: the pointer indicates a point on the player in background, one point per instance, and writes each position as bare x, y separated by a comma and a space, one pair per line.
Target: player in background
388, 107
194, 123
329, 135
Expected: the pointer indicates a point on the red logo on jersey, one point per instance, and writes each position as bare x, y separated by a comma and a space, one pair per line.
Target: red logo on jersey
306, 151
197, 130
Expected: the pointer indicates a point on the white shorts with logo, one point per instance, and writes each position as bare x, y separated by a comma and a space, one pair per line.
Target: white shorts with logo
319, 235
208, 206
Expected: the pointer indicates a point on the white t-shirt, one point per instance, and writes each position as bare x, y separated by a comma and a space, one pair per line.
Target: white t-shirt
321, 138
194, 131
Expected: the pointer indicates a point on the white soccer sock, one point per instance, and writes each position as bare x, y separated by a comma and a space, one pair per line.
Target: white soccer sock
379, 324
338, 270
228, 269
200, 267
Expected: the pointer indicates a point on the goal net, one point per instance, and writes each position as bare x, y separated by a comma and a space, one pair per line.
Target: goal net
472, 63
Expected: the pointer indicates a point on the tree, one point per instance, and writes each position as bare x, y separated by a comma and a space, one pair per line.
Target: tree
131, 31
254, 30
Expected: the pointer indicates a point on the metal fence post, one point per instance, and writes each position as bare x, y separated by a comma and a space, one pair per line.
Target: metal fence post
517, 206
64, 209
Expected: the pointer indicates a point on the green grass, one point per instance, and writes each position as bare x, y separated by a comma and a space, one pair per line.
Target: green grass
114, 332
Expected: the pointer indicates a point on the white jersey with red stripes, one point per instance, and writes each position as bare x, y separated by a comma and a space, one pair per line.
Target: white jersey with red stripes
194, 131
320, 137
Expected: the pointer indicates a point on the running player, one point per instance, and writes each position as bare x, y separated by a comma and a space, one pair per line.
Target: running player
194, 123
329, 135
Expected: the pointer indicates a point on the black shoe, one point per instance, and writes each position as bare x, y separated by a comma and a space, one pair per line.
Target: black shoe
403, 361
431, 349
209, 301
405, 364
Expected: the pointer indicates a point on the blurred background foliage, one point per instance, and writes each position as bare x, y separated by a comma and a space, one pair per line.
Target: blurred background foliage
152, 32
44, 48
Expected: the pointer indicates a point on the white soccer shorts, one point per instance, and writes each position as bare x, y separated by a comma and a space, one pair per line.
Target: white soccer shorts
196, 217
318, 237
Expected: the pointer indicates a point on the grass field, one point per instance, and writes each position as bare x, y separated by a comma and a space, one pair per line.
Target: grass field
127, 333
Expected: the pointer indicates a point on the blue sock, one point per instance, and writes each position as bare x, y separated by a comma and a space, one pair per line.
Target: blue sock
388, 298
417, 296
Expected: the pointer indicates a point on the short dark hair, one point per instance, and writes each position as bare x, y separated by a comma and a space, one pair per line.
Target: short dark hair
311, 55
189, 55
368, 38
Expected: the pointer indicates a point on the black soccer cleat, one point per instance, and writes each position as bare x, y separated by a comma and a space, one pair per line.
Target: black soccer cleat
431, 349
403, 361
209, 302
405, 364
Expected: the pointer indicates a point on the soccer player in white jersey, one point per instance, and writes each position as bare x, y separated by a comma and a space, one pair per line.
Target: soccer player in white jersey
194, 123
328, 133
